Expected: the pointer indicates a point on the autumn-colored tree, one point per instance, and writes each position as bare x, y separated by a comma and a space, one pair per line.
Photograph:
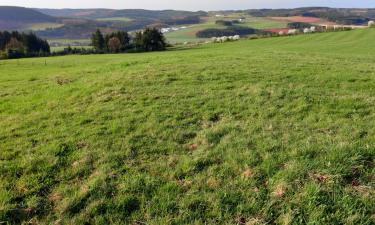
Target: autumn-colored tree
122, 36
114, 45
15, 45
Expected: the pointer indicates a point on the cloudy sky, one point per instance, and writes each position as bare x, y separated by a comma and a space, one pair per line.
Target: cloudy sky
187, 4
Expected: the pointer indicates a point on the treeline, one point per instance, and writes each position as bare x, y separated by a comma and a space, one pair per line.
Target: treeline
227, 23
183, 20
150, 39
230, 31
18, 45
299, 25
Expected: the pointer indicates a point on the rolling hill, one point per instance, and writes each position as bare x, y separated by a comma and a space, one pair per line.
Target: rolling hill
337, 15
80, 23
78, 13
268, 131
110, 20
127, 13
20, 14
16, 17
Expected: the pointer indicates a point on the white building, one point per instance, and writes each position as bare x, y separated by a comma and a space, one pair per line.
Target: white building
165, 30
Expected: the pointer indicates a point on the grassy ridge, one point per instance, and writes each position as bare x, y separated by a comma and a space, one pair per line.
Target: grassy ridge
274, 130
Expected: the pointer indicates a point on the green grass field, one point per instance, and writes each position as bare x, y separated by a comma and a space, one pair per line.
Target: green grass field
189, 34
116, 19
277, 130
42, 26
69, 41
61, 44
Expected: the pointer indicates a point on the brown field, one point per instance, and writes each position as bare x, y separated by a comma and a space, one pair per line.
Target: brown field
277, 30
301, 19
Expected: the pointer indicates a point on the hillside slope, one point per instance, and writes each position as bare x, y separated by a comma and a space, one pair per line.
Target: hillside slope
17, 17
128, 13
277, 130
85, 21
353, 16
20, 14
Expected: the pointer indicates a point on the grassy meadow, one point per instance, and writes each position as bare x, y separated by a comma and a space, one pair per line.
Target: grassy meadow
115, 19
189, 34
42, 26
269, 131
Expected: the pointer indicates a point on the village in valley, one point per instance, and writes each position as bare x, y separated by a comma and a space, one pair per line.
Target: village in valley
292, 25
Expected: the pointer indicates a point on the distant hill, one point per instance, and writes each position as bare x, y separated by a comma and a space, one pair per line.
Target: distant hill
12, 18
129, 13
337, 15
83, 22
20, 14
80, 23
78, 13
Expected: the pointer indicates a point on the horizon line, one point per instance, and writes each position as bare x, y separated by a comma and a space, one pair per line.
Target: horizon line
211, 10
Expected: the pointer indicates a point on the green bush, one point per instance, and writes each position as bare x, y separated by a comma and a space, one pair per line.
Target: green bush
3, 55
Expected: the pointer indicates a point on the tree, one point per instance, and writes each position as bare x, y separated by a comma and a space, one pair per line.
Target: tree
138, 40
122, 36
14, 49
150, 39
4, 39
14, 44
124, 39
97, 41
114, 45
34, 45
